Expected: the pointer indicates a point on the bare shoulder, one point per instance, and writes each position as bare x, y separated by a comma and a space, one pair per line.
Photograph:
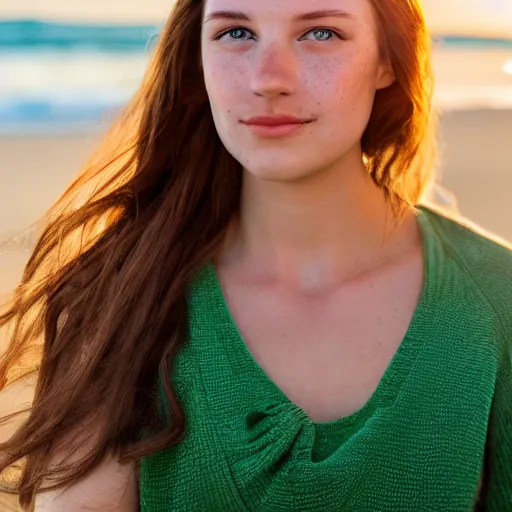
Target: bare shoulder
111, 487
108, 487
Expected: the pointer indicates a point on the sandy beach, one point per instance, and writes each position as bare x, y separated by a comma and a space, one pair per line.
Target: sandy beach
476, 158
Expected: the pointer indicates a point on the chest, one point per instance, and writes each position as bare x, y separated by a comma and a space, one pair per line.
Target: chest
328, 355
266, 461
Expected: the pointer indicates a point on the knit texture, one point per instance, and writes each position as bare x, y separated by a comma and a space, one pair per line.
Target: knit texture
418, 444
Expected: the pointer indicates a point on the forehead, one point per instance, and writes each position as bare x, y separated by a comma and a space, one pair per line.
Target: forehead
289, 9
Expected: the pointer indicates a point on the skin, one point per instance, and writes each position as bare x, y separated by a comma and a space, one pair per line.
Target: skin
272, 64
319, 279
327, 70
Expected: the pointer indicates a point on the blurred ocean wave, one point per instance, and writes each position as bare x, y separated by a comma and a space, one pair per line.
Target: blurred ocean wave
57, 77
45, 90
35, 34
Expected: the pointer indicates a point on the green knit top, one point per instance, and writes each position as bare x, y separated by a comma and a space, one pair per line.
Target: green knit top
439, 418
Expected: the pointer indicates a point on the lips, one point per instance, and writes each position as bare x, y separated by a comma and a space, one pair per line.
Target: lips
276, 126
280, 120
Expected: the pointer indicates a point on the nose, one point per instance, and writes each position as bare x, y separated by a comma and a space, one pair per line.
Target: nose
274, 71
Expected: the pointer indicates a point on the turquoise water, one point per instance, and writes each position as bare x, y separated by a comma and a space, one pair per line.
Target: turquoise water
37, 35
56, 77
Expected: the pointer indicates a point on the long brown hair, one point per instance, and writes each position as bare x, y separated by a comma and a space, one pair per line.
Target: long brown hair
101, 309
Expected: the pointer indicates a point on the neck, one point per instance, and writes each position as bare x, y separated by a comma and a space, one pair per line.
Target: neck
310, 234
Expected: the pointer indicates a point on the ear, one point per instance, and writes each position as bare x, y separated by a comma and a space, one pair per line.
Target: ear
385, 75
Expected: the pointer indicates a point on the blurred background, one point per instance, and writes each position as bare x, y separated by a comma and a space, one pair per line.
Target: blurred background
67, 67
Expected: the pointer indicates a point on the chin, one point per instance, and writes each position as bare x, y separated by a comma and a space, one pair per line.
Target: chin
279, 172
286, 167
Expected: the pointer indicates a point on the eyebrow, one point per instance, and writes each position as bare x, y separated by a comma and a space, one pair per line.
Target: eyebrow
307, 16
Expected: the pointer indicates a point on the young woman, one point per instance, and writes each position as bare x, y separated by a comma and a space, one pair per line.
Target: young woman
249, 310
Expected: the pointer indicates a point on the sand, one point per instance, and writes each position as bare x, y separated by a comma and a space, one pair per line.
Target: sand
476, 150
476, 153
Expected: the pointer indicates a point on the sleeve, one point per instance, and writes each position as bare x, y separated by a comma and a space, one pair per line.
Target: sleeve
498, 465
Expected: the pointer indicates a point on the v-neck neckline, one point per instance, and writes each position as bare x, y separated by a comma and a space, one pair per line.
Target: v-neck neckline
247, 383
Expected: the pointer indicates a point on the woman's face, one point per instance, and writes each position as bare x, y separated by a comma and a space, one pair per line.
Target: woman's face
291, 83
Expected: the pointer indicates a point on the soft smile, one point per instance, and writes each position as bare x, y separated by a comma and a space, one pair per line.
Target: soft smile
272, 126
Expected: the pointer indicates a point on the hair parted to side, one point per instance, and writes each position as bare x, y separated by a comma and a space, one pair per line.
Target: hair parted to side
101, 309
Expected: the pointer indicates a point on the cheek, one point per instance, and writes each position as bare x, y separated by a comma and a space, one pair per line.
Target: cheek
343, 79
344, 90
223, 80
223, 77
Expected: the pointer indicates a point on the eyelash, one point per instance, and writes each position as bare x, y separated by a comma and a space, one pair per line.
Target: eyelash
318, 29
